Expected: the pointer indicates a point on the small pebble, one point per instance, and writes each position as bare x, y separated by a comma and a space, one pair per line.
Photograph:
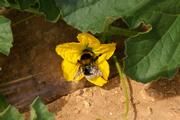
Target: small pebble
150, 111
110, 113
77, 111
79, 92
86, 104
146, 96
79, 98
122, 99
136, 101
116, 92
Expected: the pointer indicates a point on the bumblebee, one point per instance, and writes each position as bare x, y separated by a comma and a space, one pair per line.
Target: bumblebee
87, 65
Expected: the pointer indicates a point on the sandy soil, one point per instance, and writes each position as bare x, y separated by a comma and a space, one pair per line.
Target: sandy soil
156, 101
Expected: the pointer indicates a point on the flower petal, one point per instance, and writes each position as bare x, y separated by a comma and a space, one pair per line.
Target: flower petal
70, 70
70, 51
99, 81
104, 68
88, 40
105, 51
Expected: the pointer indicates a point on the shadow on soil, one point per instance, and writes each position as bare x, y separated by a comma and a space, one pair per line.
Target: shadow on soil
164, 88
33, 68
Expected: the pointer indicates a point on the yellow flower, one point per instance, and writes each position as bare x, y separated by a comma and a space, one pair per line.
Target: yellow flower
88, 59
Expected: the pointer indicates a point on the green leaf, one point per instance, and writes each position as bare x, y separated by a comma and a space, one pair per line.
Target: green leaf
40, 112
48, 7
6, 37
25, 4
92, 15
4, 3
11, 113
149, 7
45, 7
156, 54
3, 103
9, 3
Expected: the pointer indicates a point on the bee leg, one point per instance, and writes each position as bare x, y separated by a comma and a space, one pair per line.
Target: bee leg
79, 62
97, 57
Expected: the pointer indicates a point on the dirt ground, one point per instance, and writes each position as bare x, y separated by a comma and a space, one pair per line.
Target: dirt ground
156, 101
33, 69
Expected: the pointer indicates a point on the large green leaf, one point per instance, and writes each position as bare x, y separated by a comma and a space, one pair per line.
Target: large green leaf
91, 15
11, 113
40, 112
156, 54
6, 37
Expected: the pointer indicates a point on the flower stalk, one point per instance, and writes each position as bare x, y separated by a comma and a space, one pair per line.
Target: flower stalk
124, 86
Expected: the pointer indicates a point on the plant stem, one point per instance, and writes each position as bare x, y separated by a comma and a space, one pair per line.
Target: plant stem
124, 86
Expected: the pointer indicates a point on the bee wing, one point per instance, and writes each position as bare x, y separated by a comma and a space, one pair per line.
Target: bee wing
79, 75
95, 73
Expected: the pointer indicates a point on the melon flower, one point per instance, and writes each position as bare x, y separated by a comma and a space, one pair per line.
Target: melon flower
88, 59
